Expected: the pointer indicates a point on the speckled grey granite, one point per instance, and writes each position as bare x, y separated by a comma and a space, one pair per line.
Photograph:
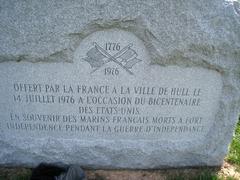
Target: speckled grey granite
187, 33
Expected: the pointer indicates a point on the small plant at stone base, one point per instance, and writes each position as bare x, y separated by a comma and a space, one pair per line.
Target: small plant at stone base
234, 151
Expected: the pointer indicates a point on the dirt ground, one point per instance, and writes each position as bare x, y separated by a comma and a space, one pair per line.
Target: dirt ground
225, 171
169, 174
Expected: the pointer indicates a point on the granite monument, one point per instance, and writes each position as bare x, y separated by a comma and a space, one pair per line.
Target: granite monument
118, 84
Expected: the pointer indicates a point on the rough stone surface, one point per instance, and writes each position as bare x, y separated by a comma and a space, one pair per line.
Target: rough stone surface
199, 34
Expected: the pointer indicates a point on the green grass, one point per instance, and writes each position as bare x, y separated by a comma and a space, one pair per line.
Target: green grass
206, 174
15, 174
15, 177
234, 152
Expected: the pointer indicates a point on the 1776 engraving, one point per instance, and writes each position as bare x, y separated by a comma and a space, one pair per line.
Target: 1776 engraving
125, 58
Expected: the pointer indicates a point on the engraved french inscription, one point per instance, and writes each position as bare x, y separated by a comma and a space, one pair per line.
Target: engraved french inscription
110, 91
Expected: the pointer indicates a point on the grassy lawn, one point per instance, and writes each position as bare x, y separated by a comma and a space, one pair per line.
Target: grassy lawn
234, 152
